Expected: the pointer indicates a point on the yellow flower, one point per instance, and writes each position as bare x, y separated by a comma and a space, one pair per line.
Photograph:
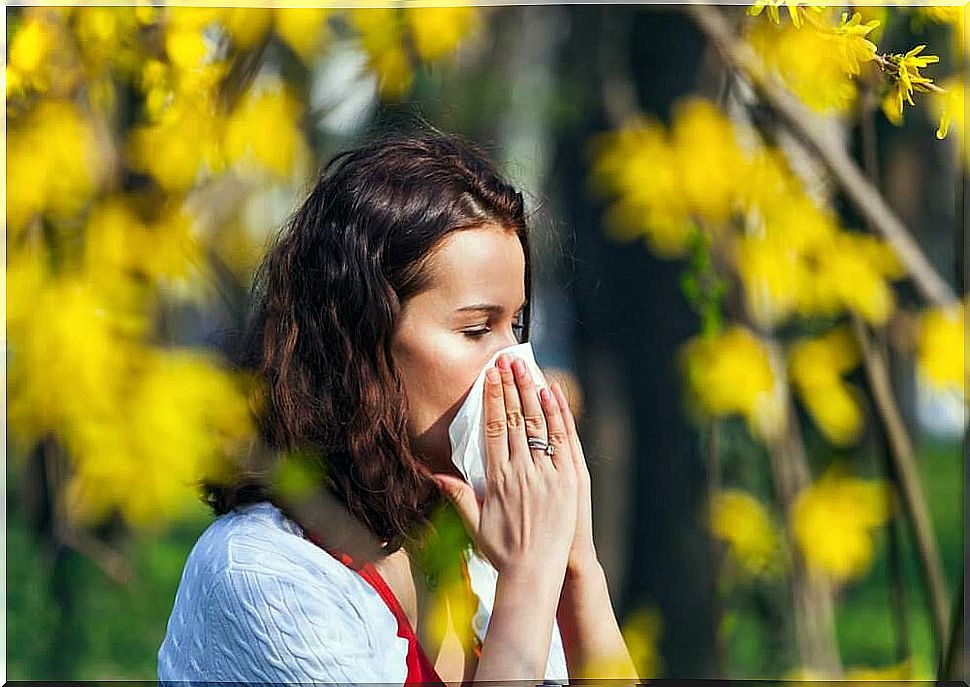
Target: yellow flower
711, 176
302, 28
771, 189
777, 261
665, 184
834, 519
794, 9
816, 367
386, 31
774, 277
26, 273
856, 268
30, 51
180, 145
382, 36
53, 166
246, 26
731, 373
641, 632
437, 31
948, 106
851, 39
955, 17
904, 76
184, 18
638, 164
815, 63
740, 520
108, 36
186, 49
272, 109
182, 416
942, 347
119, 245
67, 356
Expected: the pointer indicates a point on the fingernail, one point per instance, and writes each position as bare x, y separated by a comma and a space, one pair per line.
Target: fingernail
519, 366
503, 362
492, 376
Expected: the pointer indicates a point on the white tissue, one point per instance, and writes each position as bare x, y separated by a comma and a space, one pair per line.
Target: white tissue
467, 430
467, 435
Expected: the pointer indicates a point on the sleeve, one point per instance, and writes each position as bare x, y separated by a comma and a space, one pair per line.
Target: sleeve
266, 628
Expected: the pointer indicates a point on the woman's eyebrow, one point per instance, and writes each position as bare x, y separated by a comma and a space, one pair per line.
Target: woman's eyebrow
488, 307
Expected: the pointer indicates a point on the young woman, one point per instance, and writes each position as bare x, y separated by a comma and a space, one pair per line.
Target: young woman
405, 270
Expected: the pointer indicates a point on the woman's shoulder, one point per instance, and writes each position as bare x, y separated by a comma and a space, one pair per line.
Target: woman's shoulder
254, 552
242, 537
254, 589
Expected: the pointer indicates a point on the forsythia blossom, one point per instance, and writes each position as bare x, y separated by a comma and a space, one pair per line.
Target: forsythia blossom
833, 521
741, 521
732, 373
816, 367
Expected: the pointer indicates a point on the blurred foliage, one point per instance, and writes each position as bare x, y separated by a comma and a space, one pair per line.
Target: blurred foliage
778, 275
144, 147
129, 128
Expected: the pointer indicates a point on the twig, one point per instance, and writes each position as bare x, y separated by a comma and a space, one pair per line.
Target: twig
813, 598
870, 157
909, 482
954, 664
840, 165
111, 562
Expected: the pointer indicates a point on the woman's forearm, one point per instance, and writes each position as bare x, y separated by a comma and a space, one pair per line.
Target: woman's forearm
591, 635
516, 645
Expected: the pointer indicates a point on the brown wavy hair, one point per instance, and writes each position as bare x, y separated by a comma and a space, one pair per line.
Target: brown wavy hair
326, 300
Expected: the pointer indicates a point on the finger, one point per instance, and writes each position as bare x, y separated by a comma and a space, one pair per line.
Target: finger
569, 422
556, 429
532, 411
496, 429
518, 441
463, 497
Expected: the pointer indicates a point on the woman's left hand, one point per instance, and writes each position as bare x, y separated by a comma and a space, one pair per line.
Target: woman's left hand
582, 554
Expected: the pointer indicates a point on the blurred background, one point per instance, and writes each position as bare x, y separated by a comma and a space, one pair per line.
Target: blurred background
749, 263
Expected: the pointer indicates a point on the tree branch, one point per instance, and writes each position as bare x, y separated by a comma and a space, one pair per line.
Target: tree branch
909, 481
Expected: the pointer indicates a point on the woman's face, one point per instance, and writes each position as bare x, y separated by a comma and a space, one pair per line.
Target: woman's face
448, 332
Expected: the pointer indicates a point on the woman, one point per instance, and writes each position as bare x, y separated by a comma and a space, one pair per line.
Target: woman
405, 270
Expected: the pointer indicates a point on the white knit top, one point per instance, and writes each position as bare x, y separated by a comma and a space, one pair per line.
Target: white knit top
260, 603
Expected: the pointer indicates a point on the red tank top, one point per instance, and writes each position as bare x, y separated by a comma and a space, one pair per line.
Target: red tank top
420, 669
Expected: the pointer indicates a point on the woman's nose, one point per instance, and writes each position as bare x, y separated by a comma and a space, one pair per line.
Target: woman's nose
506, 342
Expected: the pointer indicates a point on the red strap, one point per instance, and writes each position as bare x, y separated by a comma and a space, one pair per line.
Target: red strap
420, 670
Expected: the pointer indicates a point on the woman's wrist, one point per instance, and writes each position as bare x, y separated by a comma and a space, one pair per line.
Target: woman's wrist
581, 568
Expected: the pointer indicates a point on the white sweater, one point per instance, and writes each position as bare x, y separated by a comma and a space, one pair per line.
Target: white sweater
260, 603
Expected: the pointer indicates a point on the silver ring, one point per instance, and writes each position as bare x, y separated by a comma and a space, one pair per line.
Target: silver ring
542, 445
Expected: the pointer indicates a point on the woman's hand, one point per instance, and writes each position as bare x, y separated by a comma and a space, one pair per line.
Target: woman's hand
582, 553
527, 518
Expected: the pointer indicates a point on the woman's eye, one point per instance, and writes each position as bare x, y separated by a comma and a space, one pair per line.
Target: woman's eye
517, 326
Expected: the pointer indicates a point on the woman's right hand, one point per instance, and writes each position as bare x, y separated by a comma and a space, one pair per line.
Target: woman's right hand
527, 517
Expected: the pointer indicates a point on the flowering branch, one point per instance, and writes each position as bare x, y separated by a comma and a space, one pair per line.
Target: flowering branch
840, 165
